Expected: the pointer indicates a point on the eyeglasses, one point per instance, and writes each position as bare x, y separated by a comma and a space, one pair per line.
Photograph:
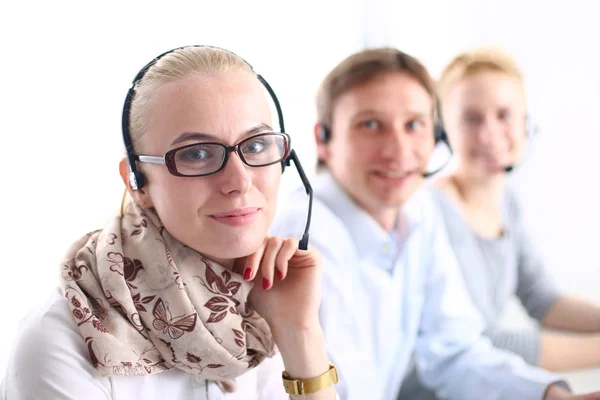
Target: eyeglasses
201, 159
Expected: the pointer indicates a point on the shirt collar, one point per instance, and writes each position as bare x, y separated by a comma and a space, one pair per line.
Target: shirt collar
367, 234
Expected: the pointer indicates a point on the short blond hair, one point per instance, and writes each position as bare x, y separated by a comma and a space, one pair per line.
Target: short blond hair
476, 61
363, 67
203, 60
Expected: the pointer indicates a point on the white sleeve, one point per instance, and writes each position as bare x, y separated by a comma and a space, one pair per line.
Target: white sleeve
270, 384
50, 361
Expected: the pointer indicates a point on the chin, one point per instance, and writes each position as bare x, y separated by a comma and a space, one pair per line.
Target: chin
400, 196
242, 245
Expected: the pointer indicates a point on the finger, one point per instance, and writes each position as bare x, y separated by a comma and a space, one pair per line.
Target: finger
252, 263
267, 266
288, 249
307, 258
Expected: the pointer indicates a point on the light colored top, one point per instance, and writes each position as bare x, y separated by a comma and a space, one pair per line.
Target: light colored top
494, 271
50, 361
385, 300
497, 269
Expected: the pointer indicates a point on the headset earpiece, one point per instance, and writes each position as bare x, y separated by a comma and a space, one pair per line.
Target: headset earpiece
440, 135
136, 180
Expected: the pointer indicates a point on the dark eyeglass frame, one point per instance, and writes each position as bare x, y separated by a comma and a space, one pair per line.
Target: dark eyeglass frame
169, 158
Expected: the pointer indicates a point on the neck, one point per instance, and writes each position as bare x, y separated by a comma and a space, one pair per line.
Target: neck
479, 193
386, 218
227, 263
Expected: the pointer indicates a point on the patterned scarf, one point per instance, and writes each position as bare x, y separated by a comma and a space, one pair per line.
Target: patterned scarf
145, 303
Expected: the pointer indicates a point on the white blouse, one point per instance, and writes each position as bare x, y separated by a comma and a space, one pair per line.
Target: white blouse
50, 361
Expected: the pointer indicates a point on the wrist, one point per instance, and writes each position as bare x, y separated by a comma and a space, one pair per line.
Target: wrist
303, 350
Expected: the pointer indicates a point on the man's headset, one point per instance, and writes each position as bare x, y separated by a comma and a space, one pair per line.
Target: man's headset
440, 137
136, 177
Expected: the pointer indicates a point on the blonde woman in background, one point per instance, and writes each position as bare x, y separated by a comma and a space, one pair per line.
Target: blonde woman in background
485, 116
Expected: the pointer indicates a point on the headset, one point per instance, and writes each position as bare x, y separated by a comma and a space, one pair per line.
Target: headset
440, 137
136, 177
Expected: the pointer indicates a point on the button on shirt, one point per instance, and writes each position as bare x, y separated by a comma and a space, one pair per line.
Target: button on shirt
387, 297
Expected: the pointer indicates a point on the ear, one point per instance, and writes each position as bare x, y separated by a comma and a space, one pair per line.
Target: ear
140, 196
322, 148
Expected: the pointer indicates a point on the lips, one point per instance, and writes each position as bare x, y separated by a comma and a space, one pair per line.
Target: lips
237, 217
392, 177
392, 174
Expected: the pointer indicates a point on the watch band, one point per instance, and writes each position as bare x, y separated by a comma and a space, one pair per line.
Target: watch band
297, 386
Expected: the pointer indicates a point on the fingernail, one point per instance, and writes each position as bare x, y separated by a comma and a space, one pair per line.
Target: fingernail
266, 283
279, 274
247, 273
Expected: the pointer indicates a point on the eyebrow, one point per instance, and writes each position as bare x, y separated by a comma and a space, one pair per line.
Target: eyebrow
207, 136
410, 112
364, 113
420, 114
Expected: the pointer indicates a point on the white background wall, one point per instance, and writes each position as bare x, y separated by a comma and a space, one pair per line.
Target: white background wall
66, 66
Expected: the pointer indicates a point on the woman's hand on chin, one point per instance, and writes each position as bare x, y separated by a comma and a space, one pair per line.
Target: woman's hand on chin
288, 295
287, 290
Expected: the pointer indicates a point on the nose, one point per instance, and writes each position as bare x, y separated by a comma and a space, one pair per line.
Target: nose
236, 176
395, 145
492, 133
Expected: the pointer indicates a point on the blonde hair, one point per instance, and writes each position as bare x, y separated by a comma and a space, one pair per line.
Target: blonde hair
203, 60
476, 61
176, 65
363, 67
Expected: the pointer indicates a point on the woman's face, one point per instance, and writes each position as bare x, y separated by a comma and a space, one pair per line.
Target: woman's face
484, 115
225, 215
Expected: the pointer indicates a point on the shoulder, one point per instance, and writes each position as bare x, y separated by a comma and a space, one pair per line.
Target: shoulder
49, 351
512, 205
328, 233
425, 207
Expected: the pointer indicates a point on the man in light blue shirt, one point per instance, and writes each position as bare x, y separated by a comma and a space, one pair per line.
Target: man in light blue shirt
391, 286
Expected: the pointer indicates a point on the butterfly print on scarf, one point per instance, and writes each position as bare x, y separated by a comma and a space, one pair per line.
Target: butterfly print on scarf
175, 327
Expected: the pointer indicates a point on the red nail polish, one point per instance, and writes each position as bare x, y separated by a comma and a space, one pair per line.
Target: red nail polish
266, 283
247, 273
279, 274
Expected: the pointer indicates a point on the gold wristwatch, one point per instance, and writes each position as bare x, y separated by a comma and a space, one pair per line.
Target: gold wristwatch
310, 385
